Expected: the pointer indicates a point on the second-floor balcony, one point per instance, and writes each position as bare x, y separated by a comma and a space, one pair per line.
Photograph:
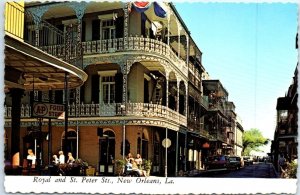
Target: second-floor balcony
221, 137
145, 110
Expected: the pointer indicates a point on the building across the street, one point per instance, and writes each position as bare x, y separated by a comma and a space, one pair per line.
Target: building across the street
285, 141
285, 137
239, 131
146, 89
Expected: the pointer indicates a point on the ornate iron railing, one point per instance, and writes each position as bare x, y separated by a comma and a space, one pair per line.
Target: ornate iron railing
140, 44
114, 109
221, 137
204, 102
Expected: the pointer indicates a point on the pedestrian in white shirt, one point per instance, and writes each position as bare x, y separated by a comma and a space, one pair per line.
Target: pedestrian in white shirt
31, 158
61, 157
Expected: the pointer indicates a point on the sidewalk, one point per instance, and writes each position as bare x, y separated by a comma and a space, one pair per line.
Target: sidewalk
273, 172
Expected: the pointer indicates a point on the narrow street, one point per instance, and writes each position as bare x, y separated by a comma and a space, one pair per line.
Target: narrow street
257, 170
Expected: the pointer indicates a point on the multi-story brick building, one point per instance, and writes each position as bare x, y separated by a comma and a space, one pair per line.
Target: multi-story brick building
27, 67
285, 137
144, 85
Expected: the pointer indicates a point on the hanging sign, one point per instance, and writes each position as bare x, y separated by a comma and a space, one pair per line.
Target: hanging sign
205, 145
47, 110
166, 143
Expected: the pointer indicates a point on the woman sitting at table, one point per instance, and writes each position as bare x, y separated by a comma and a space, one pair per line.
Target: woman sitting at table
139, 161
136, 169
55, 159
70, 158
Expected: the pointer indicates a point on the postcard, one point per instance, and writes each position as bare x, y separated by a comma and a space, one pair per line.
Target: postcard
150, 97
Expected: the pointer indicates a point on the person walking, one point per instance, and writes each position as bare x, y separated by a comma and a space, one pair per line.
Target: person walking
31, 158
283, 166
70, 158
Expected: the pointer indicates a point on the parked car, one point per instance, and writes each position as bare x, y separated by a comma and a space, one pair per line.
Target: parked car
216, 162
248, 160
234, 163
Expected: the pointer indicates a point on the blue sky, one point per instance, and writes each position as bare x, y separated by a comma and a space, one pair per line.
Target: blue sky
251, 48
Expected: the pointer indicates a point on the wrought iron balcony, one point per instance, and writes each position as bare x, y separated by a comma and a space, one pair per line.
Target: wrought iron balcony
204, 102
204, 133
146, 110
134, 44
221, 137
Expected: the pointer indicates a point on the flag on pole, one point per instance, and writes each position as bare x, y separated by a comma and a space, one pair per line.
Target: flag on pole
159, 11
141, 6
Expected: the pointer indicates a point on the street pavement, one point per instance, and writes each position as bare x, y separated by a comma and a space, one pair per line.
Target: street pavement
257, 170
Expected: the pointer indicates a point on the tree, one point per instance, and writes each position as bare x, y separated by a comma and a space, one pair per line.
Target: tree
252, 140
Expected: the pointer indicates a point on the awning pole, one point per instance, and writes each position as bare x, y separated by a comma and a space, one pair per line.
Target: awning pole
166, 163
176, 161
65, 149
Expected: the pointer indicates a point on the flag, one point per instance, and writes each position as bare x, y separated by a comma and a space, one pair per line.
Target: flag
159, 11
141, 6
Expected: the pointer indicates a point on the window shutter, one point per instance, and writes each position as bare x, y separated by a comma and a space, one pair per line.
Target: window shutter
95, 89
96, 30
119, 87
119, 27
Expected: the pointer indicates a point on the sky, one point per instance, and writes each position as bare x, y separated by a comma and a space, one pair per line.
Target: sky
250, 48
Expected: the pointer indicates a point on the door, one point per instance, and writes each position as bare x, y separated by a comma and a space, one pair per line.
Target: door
107, 153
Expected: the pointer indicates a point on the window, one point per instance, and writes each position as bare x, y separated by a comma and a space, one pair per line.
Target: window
108, 87
108, 29
156, 149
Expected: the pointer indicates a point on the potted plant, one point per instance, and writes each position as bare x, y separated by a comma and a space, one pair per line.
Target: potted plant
119, 167
147, 166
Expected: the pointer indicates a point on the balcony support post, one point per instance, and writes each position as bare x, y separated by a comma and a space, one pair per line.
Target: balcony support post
126, 21
177, 101
66, 103
186, 99
166, 151
124, 66
187, 50
37, 36
16, 95
185, 151
179, 29
167, 89
176, 161
169, 18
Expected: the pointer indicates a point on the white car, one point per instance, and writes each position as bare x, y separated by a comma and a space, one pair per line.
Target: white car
248, 160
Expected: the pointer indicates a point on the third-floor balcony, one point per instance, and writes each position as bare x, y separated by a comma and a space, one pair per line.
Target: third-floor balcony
134, 45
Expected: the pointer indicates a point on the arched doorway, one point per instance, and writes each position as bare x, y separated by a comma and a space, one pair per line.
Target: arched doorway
71, 142
107, 153
142, 145
34, 140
